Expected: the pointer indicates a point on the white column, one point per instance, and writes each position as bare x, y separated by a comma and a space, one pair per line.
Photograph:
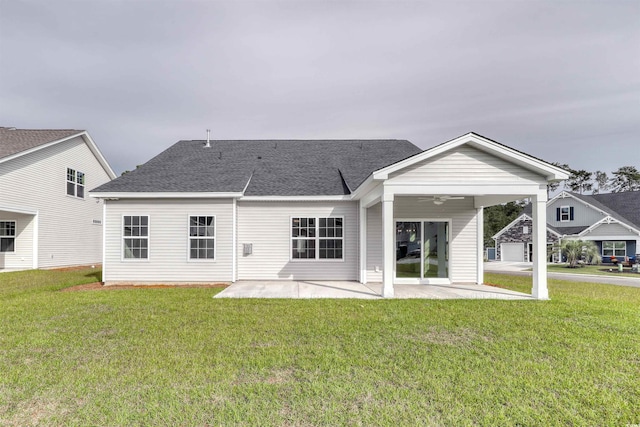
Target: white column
539, 205
363, 243
234, 240
480, 244
388, 242
35, 249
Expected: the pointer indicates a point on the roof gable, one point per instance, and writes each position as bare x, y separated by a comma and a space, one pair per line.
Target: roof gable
481, 143
624, 206
15, 143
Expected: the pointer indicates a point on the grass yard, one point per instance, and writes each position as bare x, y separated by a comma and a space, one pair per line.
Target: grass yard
592, 269
180, 357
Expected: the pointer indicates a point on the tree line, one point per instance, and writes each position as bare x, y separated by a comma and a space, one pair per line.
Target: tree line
626, 178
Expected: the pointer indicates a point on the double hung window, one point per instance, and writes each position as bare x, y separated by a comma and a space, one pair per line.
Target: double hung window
75, 183
316, 238
7, 236
202, 237
135, 235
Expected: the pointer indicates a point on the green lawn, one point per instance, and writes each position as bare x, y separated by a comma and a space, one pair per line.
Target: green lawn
180, 357
592, 269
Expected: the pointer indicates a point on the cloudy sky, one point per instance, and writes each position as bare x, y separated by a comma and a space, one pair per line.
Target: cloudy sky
557, 79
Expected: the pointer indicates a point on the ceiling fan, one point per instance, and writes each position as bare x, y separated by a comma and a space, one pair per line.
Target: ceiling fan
438, 200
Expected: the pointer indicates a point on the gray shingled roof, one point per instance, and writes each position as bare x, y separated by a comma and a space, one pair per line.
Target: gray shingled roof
14, 141
623, 206
269, 167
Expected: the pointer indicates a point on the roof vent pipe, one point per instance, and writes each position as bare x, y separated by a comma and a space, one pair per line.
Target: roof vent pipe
208, 144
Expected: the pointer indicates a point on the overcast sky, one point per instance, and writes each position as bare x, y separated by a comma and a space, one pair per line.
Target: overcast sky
559, 80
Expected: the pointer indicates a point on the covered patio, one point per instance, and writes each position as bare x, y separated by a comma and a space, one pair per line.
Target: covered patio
421, 219
356, 290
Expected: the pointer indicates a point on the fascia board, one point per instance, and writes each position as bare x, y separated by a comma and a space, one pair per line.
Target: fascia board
98, 154
167, 195
25, 211
363, 188
295, 198
511, 224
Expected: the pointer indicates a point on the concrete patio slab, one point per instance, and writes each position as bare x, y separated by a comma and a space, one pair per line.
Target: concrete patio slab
345, 289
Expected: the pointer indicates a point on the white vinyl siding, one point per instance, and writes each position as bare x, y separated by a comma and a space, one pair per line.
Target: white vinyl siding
22, 256
582, 215
464, 165
610, 230
463, 251
169, 243
267, 226
37, 182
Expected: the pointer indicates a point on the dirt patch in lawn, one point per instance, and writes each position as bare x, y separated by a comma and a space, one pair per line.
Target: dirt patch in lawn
98, 286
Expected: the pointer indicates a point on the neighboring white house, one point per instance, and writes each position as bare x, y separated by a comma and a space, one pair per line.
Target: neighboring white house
366, 210
46, 216
611, 221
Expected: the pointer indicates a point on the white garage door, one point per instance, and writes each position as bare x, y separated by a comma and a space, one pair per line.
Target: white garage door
512, 252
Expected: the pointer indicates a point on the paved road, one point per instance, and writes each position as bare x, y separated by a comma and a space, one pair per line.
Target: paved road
519, 269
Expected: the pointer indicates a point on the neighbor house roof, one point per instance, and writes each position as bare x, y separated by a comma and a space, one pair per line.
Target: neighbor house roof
624, 206
14, 141
263, 167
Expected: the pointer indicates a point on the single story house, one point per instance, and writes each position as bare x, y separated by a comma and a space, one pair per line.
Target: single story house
46, 216
366, 210
611, 221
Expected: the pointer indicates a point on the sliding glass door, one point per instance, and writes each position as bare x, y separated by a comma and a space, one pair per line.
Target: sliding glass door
422, 250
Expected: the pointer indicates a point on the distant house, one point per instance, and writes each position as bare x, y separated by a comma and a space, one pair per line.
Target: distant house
46, 216
367, 210
611, 221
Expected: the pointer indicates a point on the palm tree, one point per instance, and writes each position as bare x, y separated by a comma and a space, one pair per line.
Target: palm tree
580, 250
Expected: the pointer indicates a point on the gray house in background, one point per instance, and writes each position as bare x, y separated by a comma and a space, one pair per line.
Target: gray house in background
367, 210
46, 216
611, 221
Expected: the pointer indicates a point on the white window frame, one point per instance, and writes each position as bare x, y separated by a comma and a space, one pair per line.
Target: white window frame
147, 237
190, 238
316, 238
2, 236
75, 181
613, 248
562, 214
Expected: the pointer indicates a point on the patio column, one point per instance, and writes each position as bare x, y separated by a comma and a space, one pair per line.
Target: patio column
480, 240
388, 245
539, 205
363, 242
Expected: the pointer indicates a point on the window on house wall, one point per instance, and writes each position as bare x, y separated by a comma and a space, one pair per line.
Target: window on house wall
317, 238
7, 236
202, 237
135, 235
564, 213
612, 248
75, 183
